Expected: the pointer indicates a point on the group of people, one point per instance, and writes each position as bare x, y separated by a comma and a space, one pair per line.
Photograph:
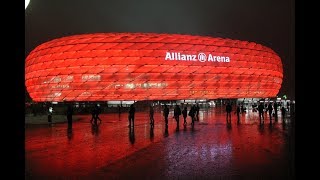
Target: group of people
69, 113
238, 111
272, 110
193, 113
269, 108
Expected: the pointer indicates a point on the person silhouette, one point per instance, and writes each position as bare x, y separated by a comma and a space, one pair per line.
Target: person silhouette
93, 112
228, 110
151, 113
96, 110
177, 113
166, 114
185, 113
132, 111
242, 109
260, 109
238, 114
192, 113
97, 113
270, 108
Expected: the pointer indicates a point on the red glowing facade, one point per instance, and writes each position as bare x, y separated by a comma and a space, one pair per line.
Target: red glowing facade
147, 66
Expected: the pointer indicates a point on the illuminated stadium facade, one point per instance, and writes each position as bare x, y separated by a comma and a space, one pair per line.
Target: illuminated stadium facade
148, 66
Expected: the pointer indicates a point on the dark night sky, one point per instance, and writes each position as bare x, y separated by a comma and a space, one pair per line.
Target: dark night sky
267, 22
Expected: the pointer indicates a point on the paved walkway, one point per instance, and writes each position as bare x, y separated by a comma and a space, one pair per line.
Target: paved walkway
212, 150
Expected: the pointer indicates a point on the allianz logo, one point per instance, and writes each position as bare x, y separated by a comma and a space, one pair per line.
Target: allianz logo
202, 57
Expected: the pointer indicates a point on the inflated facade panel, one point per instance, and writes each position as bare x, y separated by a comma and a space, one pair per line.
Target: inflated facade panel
148, 66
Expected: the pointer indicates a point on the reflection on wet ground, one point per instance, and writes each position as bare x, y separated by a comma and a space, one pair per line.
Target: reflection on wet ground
213, 149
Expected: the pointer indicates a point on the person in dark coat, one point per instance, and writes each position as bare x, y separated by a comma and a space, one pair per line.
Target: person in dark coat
283, 113
238, 113
185, 113
260, 109
95, 114
132, 111
166, 114
192, 114
270, 108
177, 113
151, 114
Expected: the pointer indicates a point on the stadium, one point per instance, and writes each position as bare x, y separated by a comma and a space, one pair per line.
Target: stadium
150, 66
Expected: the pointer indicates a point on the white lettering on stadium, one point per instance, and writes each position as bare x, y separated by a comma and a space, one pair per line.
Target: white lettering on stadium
182, 57
202, 57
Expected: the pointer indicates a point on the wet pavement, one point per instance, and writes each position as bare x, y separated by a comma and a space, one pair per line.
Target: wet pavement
212, 150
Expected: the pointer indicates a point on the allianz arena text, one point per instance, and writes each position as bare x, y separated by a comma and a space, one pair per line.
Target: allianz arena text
149, 66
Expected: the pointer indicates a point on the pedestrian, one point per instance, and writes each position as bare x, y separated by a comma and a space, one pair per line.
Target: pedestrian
260, 109
185, 113
132, 111
192, 113
238, 114
93, 113
151, 113
242, 109
283, 113
228, 109
166, 114
177, 113
275, 106
270, 108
